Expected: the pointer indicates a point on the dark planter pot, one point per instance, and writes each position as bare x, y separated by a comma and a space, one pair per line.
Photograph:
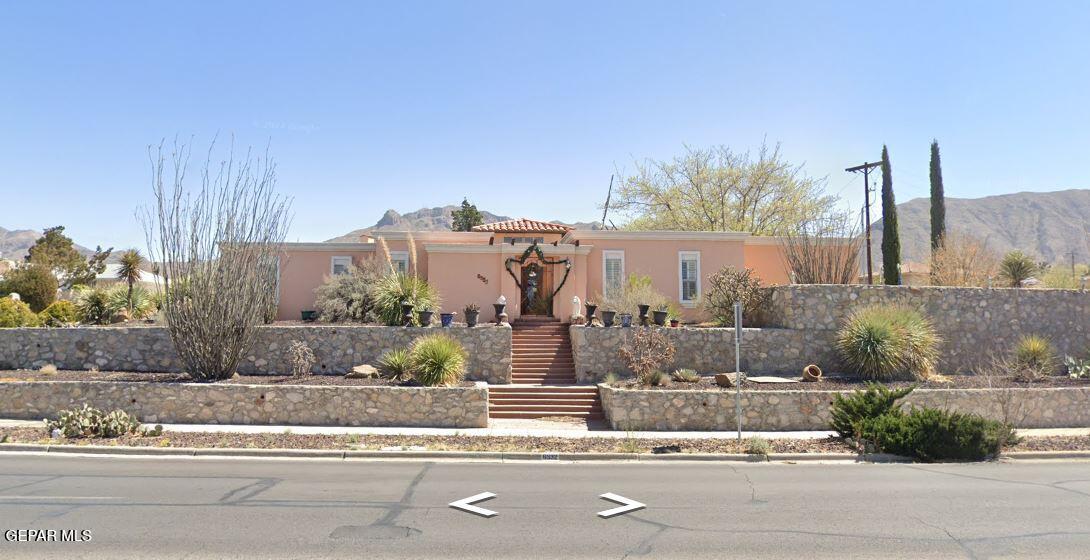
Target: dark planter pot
660, 318
500, 308
591, 309
471, 318
425, 317
674, 322
446, 319
607, 318
406, 315
626, 320
643, 313
309, 315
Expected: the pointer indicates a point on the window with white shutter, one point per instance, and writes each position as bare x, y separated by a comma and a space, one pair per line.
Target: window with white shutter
689, 276
612, 272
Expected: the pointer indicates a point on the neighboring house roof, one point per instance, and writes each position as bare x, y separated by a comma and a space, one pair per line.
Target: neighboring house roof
523, 225
110, 273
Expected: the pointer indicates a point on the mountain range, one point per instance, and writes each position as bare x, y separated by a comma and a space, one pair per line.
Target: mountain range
14, 244
432, 219
1049, 226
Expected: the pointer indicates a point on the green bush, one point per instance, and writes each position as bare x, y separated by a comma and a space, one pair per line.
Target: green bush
1016, 267
92, 422
884, 342
393, 288
395, 365
437, 359
1035, 352
852, 411
730, 285
60, 313
932, 434
16, 314
348, 297
758, 446
142, 303
36, 286
96, 306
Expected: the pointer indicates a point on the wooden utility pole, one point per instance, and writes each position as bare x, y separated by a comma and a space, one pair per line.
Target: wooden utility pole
865, 168
609, 194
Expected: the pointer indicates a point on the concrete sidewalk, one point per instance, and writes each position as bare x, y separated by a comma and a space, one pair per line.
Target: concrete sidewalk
517, 428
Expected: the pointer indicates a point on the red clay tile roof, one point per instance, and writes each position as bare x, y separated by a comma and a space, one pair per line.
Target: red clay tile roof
522, 225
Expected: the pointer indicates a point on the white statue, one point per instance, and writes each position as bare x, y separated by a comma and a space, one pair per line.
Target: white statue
576, 308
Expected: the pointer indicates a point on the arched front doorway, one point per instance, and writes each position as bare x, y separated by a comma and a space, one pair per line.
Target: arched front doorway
537, 289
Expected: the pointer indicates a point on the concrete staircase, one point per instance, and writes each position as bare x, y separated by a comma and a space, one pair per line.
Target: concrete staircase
542, 376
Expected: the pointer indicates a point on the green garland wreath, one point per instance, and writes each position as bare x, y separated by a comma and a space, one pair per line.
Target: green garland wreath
535, 250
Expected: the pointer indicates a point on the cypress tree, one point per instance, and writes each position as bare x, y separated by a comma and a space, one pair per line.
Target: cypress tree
938, 200
891, 238
466, 217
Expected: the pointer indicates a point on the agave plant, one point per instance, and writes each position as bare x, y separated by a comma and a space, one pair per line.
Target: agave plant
437, 359
883, 342
395, 364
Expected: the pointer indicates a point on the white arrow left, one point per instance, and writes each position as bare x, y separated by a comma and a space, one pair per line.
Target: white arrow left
627, 505
465, 504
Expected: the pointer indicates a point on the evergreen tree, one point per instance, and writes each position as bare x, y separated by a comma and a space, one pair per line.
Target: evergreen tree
891, 238
938, 200
466, 217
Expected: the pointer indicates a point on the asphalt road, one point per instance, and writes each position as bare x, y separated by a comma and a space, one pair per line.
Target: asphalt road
213, 508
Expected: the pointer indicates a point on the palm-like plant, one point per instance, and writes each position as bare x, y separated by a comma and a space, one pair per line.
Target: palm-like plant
129, 271
1017, 267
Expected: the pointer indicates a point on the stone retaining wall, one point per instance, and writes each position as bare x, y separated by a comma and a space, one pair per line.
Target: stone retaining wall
636, 409
337, 347
707, 350
299, 405
975, 323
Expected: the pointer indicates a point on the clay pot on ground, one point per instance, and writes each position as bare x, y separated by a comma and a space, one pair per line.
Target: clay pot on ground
811, 373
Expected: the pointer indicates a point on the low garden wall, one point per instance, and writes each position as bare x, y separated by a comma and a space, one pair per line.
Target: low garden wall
337, 347
975, 323
673, 410
299, 405
708, 350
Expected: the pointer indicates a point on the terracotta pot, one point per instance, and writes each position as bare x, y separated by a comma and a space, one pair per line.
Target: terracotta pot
811, 373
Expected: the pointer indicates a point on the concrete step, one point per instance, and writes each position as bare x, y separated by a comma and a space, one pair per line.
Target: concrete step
515, 388
538, 414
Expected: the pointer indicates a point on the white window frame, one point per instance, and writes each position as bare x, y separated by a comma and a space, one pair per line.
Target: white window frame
344, 260
606, 255
398, 257
681, 257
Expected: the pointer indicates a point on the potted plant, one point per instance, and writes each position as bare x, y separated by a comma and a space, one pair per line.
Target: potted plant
626, 320
607, 317
643, 307
591, 309
472, 311
425, 316
660, 315
674, 322
447, 319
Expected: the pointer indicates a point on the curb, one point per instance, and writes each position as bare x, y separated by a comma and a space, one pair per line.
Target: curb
1036, 455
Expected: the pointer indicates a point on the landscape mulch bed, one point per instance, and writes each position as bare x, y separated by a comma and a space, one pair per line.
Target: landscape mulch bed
707, 383
73, 375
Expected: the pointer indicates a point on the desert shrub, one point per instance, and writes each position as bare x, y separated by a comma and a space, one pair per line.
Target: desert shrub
655, 378
932, 434
92, 422
1062, 277
851, 411
139, 303
758, 446
301, 357
393, 288
1077, 368
349, 297
437, 359
395, 364
1035, 356
730, 285
883, 342
15, 313
36, 286
685, 375
60, 313
638, 290
963, 260
1016, 267
96, 306
646, 352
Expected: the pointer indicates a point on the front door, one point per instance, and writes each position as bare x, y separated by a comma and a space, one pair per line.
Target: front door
537, 289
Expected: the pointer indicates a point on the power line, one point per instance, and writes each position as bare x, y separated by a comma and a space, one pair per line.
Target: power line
865, 168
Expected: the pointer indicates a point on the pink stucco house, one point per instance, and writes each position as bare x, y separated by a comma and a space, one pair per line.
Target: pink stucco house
481, 265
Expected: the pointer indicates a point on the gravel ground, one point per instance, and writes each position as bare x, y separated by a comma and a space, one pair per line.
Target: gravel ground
71, 375
707, 383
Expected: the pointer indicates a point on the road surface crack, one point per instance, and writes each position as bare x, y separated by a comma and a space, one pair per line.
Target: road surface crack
964, 547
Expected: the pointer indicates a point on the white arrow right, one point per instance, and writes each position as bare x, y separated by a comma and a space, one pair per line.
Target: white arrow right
627, 505
464, 504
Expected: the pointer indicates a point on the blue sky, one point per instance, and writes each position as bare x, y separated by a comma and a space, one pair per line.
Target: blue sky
526, 108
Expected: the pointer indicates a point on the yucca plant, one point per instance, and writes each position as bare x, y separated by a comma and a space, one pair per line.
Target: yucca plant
397, 287
96, 306
136, 300
1035, 357
437, 359
394, 364
883, 342
1016, 267
128, 270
